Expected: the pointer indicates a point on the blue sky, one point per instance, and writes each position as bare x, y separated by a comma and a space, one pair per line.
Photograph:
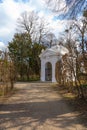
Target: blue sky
10, 10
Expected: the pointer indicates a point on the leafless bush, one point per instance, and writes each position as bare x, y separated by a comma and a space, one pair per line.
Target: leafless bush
6, 73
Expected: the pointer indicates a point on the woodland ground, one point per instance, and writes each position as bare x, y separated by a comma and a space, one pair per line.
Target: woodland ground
39, 106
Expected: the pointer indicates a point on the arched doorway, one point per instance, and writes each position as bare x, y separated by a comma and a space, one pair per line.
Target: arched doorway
48, 71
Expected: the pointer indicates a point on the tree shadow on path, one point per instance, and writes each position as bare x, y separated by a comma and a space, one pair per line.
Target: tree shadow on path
39, 113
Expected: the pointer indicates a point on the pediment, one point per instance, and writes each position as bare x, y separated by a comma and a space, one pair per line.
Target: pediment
47, 53
54, 51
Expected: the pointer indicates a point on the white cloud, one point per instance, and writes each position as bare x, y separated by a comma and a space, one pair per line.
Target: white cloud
2, 46
37, 4
56, 26
10, 10
57, 5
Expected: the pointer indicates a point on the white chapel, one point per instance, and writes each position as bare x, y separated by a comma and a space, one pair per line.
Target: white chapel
49, 58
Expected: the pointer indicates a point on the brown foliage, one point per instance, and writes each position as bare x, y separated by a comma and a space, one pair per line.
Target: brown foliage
6, 73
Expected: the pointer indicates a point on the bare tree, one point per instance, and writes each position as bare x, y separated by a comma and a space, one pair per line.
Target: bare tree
75, 61
43, 29
70, 8
81, 29
35, 26
7, 73
50, 39
27, 21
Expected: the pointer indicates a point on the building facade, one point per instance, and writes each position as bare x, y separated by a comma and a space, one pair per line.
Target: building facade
49, 58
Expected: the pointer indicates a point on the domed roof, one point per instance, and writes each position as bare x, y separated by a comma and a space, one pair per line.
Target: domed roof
54, 50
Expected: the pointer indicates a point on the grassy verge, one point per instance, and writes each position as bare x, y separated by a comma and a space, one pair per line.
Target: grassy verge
73, 101
31, 79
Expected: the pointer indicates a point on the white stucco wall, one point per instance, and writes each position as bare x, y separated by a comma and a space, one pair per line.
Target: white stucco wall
52, 60
51, 55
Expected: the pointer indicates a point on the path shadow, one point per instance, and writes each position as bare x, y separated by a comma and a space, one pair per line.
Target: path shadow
37, 112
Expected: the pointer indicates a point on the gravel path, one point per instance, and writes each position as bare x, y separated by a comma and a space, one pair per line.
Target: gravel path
36, 106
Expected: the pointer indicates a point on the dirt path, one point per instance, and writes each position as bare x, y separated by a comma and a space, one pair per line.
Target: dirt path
36, 106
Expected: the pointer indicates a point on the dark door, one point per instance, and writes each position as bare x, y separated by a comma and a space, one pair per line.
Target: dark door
48, 71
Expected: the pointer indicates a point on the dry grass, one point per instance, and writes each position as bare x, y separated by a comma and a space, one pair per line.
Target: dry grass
73, 101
